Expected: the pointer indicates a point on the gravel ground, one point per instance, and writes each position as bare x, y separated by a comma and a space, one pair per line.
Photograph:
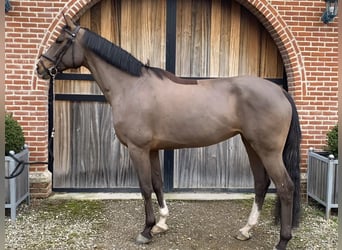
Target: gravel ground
114, 224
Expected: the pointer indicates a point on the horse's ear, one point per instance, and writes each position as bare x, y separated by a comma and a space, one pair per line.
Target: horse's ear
69, 22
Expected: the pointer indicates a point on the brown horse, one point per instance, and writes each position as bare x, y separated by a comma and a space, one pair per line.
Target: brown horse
155, 110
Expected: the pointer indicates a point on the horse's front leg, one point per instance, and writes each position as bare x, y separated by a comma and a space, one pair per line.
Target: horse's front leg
141, 161
157, 183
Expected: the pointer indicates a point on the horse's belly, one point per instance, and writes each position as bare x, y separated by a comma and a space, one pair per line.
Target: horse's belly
195, 122
187, 135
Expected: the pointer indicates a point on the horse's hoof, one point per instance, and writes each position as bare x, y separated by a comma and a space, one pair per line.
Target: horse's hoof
242, 237
159, 228
142, 239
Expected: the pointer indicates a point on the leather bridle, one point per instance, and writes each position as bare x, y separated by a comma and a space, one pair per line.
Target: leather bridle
53, 70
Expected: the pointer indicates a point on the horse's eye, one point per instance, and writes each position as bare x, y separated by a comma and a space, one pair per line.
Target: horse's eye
59, 40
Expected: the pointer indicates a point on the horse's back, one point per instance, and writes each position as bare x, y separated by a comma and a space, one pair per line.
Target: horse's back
252, 95
249, 85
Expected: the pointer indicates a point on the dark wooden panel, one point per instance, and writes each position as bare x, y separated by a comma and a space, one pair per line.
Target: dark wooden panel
87, 152
220, 39
224, 165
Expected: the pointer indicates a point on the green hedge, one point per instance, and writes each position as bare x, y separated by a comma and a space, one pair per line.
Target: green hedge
332, 141
14, 136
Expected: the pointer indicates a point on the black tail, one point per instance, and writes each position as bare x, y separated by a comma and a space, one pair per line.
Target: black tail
291, 158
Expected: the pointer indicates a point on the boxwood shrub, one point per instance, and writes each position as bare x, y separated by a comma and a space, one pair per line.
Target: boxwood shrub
332, 141
14, 136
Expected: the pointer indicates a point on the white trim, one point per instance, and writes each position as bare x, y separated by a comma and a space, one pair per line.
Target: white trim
168, 196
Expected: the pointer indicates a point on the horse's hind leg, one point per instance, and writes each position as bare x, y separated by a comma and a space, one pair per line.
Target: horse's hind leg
157, 184
275, 168
261, 184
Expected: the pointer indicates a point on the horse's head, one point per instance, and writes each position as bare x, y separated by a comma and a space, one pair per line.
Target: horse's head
66, 52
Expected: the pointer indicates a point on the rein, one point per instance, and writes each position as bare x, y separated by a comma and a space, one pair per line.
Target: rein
70, 43
19, 168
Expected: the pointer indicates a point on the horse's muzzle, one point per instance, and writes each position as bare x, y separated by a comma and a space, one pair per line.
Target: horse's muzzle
44, 72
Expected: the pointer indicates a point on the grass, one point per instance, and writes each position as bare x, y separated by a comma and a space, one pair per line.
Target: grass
71, 209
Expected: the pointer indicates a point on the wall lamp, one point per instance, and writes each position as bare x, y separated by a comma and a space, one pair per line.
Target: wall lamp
330, 12
7, 6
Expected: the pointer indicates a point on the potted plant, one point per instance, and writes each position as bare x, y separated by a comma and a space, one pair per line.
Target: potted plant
16, 171
322, 176
332, 141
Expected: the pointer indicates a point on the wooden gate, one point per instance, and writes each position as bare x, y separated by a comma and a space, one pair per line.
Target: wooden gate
191, 38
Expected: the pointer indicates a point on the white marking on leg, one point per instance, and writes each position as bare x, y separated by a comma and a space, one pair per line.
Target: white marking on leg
164, 211
254, 216
252, 221
161, 226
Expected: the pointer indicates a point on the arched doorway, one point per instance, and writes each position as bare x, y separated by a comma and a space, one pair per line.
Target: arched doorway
191, 38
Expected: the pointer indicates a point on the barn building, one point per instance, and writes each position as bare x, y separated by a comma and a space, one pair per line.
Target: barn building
284, 41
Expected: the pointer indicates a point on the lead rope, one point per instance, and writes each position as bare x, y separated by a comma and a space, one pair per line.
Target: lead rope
52, 135
20, 163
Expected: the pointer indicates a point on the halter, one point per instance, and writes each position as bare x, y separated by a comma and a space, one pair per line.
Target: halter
59, 56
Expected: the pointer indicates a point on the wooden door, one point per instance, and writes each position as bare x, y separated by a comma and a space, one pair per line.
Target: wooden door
213, 39
87, 153
220, 38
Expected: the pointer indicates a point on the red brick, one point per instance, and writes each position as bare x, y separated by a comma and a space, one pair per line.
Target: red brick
308, 48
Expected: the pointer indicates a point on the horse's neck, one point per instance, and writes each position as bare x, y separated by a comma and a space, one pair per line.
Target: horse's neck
112, 81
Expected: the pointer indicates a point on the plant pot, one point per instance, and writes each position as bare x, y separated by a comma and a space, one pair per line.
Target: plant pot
17, 189
322, 179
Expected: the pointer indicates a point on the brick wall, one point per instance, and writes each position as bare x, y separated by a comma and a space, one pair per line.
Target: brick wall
308, 48
317, 44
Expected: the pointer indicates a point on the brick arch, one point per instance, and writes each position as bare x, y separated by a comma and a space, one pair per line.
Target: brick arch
71, 8
285, 41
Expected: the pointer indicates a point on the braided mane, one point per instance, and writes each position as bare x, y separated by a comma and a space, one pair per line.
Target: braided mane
123, 60
112, 53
